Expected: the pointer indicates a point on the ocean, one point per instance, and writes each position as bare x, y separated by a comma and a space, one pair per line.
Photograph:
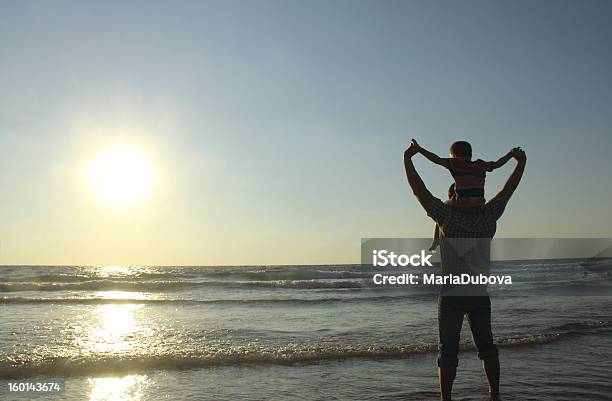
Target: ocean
294, 333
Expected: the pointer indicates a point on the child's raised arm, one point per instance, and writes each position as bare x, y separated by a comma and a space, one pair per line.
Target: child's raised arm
432, 157
502, 160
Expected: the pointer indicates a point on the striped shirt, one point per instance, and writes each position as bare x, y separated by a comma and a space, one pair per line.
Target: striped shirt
469, 180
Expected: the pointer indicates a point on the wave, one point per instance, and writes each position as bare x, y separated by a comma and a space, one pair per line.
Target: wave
301, 274
100, 285
258, 275
69, 274
113, 285
581, 326
19, 367
556, 288
15, 368
174, 301
303, 284
525, 288
169, 279
78, 277
527, 340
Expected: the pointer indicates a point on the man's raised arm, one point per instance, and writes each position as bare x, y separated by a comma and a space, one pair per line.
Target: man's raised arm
416, 183
515, 178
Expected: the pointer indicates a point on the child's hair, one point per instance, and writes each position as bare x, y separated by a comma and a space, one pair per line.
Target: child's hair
461, 149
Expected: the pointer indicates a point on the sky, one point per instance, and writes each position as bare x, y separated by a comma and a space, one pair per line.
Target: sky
275, 130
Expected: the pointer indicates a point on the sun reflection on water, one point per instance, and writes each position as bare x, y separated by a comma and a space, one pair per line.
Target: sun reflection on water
112, 332
114, 270
113, 329
118, 388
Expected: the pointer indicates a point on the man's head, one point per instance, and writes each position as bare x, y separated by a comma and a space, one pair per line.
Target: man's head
461, 150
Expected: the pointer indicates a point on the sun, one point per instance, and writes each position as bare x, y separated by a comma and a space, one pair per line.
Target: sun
120, 175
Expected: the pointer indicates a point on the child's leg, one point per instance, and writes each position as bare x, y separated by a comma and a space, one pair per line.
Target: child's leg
436, 239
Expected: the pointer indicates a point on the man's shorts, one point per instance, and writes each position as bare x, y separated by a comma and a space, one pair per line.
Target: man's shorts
451, 310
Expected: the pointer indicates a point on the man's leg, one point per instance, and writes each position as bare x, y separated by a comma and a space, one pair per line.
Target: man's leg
446, 375
450, 320
491, 368
479, 316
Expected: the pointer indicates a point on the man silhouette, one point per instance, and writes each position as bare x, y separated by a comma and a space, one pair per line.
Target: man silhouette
476, 227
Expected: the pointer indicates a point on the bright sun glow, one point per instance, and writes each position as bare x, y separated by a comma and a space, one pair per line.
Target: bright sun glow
120, 175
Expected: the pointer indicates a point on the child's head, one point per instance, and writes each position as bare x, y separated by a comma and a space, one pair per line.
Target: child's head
461, 150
